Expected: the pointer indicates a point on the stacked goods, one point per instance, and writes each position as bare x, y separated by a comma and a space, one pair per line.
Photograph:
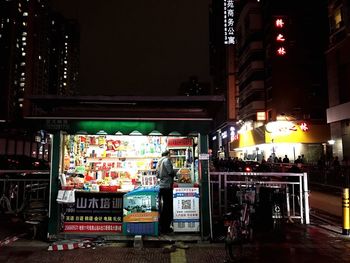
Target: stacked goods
184, 175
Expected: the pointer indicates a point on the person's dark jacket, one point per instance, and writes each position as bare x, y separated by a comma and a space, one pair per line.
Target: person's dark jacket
165, 172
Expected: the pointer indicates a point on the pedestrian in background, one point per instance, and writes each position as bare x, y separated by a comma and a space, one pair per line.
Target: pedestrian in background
285, 159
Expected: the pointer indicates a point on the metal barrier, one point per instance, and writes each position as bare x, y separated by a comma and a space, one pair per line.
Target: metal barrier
14, 191
294, 186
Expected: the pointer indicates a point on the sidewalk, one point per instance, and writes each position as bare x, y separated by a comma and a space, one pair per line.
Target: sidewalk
297, 244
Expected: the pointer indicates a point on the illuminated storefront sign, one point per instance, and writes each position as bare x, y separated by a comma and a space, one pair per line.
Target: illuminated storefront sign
285, 127
304, 127
280, 36
233, 134
289, 131
280, 127
224, 135
247, 126
229, 22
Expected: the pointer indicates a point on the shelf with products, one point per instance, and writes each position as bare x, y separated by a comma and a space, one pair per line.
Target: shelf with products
182, 160
106, 160
122, 158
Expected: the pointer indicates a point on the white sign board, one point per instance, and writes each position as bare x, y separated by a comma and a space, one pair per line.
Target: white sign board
204, 156
186, 209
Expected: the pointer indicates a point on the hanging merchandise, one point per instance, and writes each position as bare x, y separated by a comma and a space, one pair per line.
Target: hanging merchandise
111, 163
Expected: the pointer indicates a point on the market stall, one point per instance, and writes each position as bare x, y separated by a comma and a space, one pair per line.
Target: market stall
109, 174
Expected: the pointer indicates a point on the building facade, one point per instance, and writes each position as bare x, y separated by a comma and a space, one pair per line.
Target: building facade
26, 44
281, 79
338, 66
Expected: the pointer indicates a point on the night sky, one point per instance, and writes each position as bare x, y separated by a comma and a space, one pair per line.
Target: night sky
139, 47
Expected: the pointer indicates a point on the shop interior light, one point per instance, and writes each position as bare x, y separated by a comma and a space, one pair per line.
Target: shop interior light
101, 132
118, 133
81, 132
331, 142
175, 133
135, 132
155, 133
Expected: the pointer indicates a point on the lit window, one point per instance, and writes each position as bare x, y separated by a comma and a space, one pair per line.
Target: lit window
24, 33
24, 38
22, 84
64, 84
24, 24
39, 57
21, 105
23, 63
338, 18
23, 54
66, 36
25, 13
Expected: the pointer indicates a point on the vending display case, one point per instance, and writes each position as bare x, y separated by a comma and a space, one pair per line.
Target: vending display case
181, 154
109, 163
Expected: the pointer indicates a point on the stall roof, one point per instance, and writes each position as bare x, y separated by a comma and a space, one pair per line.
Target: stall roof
125, 114
127, 107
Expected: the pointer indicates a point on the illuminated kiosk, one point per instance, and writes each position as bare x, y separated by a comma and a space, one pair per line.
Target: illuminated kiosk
79, 122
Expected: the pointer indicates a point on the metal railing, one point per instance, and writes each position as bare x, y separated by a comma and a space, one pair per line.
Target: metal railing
294, 186
15, 186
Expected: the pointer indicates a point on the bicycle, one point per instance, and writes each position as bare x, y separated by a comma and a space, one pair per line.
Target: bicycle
239, 230
6, 200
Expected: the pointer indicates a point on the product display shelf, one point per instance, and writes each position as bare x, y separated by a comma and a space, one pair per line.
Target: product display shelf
113, 159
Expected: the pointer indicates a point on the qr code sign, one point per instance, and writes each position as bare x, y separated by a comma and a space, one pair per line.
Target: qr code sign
186, 204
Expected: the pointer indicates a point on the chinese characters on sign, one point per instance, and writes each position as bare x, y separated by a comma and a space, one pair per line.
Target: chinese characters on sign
94, 212
229, 22
186, 209
280, 37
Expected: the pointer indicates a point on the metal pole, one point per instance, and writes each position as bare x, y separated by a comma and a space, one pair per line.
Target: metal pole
288, 204
345, 205
306, 200
301, 199
210, 206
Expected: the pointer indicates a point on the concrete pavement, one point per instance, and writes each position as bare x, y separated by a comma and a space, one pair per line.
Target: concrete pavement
296, 243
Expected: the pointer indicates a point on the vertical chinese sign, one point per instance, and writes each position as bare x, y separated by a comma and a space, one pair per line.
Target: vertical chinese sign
94, 212
186, 209
229, 29
279, 36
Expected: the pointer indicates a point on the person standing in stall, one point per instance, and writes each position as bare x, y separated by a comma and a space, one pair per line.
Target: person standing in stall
165, 174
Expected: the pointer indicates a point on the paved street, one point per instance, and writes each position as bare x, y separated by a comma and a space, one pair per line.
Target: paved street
299, 243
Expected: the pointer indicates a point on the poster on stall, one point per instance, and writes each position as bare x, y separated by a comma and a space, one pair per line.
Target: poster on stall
94, 212
141, 207
186, 209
